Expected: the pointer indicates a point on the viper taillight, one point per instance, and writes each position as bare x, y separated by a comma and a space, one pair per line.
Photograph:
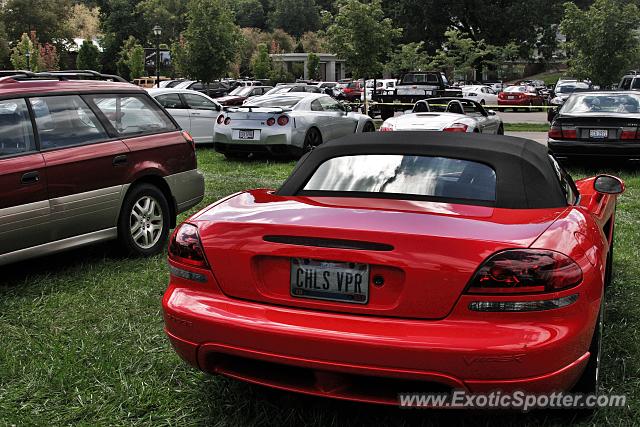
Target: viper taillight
456, 127
519, 271
185, 246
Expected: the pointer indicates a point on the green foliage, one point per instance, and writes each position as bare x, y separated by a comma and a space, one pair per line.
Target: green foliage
294, 16
170, 15
46, 17
211, 40
261, 62
49, 58
5, 52
602, 41
281, 42
88, 57
19, 55
279, 73
249, 13
313, 42
131, 59
313, 66
361, 35
408, 57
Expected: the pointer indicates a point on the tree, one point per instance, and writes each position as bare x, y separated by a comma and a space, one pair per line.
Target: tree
281, 42
409, 57
170, 15
210, 40
313, 42
279, 73
88, 56
294, 16
135, 61
50, 60
249, 13
361, 35
120, 19
84, 21
602, 41
19, 54
47, 17
5, 52
261, 62
313, 66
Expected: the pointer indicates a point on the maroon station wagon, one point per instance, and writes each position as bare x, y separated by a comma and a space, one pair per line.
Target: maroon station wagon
89, 161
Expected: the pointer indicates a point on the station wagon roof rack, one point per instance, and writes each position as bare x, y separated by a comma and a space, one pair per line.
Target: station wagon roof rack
21, 75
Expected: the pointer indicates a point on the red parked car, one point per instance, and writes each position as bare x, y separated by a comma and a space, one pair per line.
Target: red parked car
352, 91
400, 261
88, 161
520, 95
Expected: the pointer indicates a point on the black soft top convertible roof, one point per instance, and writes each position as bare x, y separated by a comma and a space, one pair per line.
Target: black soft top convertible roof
525, 177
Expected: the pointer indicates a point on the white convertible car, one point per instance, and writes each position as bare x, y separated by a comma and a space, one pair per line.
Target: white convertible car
448, 115
285, 124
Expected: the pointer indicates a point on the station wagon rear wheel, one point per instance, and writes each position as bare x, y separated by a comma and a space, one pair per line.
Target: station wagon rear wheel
144, 221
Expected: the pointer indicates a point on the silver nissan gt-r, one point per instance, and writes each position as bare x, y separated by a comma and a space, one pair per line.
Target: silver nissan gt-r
285, 124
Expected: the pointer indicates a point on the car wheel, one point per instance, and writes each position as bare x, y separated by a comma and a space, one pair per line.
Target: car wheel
368, 127
482, 102
589, 382
312, 139
501, 130
143, 226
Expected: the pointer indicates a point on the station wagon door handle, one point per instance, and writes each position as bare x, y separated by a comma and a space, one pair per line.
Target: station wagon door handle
120, 160
193, 113
30, 177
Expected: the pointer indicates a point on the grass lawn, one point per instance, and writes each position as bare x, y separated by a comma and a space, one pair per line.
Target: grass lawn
81, 341
526, 127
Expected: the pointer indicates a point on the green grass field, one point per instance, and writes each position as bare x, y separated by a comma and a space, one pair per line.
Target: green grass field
526, 127
81, 341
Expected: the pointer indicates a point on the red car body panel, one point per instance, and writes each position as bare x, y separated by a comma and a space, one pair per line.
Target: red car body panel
243, 323
13, 169
231, 100
519, 99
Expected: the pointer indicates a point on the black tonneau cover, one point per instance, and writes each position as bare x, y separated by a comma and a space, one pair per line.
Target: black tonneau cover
525, 178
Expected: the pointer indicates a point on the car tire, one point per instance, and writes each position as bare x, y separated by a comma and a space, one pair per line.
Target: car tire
482, 102
501, 130
589, 382
145, 208
312, 139
369, 127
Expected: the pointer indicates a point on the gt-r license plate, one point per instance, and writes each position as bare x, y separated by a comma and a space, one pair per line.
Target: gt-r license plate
245, 134
330, 280
598, 133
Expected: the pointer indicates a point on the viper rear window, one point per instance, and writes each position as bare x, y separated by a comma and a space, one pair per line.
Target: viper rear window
403, 176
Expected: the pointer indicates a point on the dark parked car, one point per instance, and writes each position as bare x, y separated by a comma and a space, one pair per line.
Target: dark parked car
214, 89
88, 161
602, 124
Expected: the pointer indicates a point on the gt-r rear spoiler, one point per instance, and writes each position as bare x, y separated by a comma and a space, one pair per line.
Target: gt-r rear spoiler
251, 108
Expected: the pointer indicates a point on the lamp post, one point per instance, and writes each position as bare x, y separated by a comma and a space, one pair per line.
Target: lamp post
28, 56
157, 31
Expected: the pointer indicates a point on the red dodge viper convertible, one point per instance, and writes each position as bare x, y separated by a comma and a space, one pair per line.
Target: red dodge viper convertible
398, 262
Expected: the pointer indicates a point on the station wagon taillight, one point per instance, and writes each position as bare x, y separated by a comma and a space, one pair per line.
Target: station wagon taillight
186, 248
187, 137
520, 271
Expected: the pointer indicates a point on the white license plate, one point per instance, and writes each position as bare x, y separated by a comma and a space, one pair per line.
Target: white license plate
511, 97
330, 280
245, 134
598, 133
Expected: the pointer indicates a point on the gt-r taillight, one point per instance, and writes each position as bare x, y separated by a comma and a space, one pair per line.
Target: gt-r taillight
520, 271
456, 127
186, 248
271, 121
220, 119
227, 120
283, 120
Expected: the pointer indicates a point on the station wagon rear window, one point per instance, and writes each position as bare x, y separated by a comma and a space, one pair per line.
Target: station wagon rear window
403, 176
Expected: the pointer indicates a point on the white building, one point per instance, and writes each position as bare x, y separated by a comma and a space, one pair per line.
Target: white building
331, 68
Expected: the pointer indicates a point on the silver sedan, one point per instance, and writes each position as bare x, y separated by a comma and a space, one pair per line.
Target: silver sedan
285, 124
449, 115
